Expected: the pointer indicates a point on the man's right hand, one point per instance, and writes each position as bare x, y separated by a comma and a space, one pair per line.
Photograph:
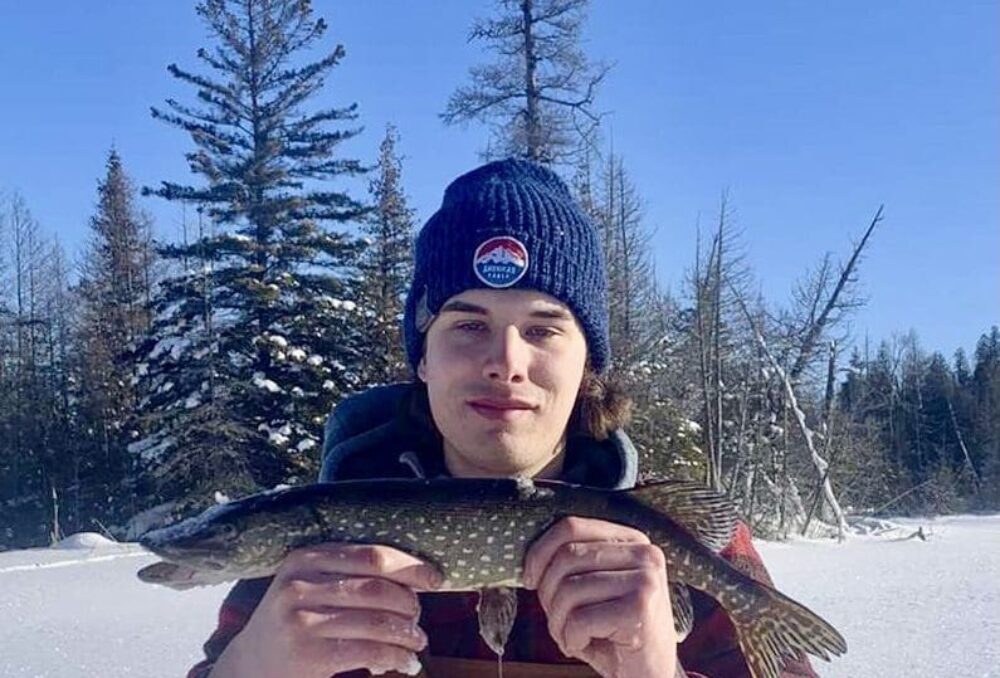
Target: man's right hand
334, 608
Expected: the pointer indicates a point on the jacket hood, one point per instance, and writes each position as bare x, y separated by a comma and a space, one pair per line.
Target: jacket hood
371, 434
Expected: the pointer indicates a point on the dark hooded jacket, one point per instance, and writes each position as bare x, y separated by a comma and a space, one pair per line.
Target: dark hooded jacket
379, 433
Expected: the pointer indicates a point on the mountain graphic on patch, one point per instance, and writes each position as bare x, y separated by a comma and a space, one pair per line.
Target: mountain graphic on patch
501, 261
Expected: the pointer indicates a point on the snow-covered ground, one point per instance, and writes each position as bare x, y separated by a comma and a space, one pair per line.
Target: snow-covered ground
907, 608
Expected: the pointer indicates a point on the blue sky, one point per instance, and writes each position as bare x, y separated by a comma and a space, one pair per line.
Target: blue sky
809, 114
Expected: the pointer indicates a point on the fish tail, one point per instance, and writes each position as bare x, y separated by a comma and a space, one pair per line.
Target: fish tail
776, 628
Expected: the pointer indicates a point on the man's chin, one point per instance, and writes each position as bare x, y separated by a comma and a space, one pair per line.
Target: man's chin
496, 460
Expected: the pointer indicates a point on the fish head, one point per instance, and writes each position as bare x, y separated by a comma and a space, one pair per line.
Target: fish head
221, 540
201, 544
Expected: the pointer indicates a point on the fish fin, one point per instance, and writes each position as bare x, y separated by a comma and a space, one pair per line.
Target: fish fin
776, 628
497, 608
680, 603
179, 577
708, 515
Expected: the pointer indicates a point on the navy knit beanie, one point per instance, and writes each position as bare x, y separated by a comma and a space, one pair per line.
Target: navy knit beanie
509, 224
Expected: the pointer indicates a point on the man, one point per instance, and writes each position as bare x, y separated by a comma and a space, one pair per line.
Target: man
506, 329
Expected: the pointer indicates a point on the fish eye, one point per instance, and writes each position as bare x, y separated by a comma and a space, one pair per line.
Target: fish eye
226, 531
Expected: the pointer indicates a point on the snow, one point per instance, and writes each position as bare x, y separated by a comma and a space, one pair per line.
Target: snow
175, 345
150, 447
260, 382
907, 608
86, 540
146, 520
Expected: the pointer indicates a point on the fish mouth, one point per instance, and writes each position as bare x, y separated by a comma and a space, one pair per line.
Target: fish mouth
204, 555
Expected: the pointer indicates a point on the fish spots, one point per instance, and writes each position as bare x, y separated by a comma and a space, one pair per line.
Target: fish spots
411, 536
439, 537
461, 563
485, 559
508, 547
489, 540
359, 526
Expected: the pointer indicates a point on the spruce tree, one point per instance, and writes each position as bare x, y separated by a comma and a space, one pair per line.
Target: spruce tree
114, 292
255, 341
387, 264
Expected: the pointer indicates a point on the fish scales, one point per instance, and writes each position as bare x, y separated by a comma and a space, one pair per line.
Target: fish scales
477, 531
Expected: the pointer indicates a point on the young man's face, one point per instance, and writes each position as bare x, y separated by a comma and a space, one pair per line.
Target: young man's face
503, 368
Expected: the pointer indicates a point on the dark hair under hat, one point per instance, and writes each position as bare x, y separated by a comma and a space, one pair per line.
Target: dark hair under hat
510, 224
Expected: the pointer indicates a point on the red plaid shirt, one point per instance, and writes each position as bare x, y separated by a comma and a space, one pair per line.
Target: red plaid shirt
710, 651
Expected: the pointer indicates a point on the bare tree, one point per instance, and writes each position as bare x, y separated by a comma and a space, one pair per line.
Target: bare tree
539, 93
722, 270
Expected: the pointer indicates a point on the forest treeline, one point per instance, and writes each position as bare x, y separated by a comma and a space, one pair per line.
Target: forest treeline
148, 378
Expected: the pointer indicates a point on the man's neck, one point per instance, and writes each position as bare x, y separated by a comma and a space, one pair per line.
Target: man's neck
548, 468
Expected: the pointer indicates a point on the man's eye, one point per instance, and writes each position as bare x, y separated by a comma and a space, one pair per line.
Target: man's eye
470, 326
542, 332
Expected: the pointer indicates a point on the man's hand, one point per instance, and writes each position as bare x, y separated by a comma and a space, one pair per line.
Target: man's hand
603, 587
334, 608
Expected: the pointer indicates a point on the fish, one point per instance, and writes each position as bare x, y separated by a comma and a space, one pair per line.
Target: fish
476, 532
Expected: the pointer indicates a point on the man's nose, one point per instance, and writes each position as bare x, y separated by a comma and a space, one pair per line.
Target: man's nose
508, 357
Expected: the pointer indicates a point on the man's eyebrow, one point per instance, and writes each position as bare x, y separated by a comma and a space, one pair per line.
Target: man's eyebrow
463, 307
552, 314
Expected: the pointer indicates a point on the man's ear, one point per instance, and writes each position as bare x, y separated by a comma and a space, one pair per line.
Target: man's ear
422, 370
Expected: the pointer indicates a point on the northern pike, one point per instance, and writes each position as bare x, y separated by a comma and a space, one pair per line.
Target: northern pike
476, 532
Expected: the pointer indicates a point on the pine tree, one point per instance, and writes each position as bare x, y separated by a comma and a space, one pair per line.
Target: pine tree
255, 341
115, 289
387, 264
986, 419
539, 94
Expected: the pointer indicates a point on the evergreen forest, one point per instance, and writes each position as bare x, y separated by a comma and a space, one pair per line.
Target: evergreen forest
146, 378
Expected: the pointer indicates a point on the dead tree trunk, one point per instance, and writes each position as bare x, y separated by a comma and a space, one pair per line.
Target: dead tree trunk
818, 461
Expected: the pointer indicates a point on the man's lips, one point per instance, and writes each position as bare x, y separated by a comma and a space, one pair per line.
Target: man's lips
497, 408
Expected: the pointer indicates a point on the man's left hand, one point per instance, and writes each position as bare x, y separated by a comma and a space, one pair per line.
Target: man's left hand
603, 587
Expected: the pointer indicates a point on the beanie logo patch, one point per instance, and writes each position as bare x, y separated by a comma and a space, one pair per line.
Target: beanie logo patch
501, 261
